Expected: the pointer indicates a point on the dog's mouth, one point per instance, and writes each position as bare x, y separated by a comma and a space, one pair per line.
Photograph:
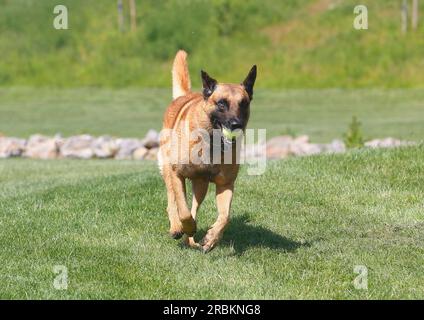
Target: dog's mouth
228, 136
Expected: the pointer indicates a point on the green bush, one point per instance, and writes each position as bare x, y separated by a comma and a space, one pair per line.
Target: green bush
353, 138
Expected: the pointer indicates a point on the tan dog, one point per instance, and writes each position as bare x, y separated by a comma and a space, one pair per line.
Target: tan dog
219, 107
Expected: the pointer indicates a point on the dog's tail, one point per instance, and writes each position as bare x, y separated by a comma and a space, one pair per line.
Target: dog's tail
181, 84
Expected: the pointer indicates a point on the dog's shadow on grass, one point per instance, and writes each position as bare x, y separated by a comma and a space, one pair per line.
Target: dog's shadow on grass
240, 235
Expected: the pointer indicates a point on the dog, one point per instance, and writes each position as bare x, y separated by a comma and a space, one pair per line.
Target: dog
220, 107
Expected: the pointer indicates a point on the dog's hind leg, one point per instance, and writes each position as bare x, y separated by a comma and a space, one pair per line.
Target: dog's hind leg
224, 195
187, 221
200, 188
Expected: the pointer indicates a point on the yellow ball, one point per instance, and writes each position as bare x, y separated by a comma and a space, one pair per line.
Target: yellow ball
230, 135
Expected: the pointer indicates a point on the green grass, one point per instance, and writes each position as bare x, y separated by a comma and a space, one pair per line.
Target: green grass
295, 43
323, 114
296, 232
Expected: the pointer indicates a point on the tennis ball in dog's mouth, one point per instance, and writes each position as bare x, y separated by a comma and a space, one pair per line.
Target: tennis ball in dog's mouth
231, 135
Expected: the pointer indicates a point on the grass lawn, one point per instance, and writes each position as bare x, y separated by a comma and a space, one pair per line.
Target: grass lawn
297, 231
323, 114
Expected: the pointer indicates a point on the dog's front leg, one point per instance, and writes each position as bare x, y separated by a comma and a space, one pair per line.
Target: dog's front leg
224, 195
187, 221
200, 188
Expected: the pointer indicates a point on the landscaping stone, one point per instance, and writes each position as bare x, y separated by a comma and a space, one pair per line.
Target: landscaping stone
11, 147
305, 149
152, 154
42, 147
140, 153
278, 147
151, 140
104, 147
78, 147
387, 143
127, 147
336, 146
88, 147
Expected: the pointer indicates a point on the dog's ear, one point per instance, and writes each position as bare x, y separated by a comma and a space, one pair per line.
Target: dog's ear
249, 82
209, 84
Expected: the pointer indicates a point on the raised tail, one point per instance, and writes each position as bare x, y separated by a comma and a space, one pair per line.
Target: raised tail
181, 84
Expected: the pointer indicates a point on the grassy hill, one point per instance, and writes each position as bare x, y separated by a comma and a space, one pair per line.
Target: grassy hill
296, 43
298, 231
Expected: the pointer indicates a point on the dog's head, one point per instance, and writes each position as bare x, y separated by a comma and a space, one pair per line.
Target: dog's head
228, 105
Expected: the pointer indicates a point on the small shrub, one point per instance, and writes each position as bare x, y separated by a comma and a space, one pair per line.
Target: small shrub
353, 138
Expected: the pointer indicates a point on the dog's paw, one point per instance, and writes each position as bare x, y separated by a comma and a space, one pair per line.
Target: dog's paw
176, 230
209, 242
176, 234
190, 242
189, 227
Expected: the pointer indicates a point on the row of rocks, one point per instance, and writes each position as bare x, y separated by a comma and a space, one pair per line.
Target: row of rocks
81, 147
104, 147
388, 143
285, 146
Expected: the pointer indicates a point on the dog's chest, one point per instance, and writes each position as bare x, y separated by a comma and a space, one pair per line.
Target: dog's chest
193, 171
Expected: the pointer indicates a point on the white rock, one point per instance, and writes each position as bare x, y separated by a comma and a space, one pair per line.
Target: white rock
152, 154
104, 147
11, 147
42, 147
336, 146
304, 139
140, 153
126, 148
387, 143
151, 140
78, 147
278, 147
304, 149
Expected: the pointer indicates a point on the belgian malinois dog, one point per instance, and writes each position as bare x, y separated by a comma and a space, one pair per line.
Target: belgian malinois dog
220, 107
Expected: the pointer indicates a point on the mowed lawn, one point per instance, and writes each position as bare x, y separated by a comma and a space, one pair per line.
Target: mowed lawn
298, 231
322, 114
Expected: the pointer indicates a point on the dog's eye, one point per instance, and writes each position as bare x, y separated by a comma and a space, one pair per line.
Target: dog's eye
222, 105
244, 103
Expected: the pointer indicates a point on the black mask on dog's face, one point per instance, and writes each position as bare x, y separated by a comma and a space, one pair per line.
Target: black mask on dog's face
229, 103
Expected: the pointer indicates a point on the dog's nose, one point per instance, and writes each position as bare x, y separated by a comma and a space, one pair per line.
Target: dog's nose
235, 124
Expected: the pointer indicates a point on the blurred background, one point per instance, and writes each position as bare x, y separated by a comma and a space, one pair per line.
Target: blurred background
296, 43
109, 73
